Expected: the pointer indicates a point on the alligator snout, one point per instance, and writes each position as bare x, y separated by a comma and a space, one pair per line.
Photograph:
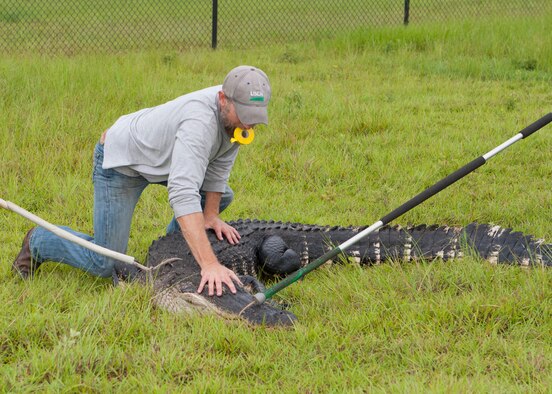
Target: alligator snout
242, 305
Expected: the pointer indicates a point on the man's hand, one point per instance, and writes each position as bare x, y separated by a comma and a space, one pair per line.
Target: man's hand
215, 275
221, 229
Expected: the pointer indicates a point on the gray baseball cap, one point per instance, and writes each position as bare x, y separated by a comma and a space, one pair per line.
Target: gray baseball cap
249, 89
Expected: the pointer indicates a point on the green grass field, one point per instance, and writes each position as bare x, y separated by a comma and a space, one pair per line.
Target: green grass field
359, 124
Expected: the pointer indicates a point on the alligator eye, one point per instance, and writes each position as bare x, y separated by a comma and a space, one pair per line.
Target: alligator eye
251, 284
187, 287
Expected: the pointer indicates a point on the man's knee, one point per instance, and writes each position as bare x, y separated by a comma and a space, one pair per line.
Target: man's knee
103, 267
226, 198
107, 268
173, 227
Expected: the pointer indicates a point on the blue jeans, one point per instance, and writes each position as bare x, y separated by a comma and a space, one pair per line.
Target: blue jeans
115, 197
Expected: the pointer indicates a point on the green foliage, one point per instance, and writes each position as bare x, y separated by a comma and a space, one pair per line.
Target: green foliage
358, 125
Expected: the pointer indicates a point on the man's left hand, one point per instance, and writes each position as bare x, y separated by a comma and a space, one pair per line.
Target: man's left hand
223, 230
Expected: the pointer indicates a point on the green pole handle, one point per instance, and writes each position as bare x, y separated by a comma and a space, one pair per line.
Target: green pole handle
297, 275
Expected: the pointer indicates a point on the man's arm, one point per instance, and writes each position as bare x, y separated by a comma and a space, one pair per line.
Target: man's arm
213, 273
212, 220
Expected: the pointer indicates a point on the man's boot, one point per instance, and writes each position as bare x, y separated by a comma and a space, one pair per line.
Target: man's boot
24, 264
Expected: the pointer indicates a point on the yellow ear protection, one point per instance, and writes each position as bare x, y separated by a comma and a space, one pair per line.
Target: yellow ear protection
243, 137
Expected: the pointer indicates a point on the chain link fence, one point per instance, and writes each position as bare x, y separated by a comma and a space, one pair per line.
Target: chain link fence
76, 26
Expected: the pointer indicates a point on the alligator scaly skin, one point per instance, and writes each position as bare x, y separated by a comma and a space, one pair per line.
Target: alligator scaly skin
308, 242
421, 242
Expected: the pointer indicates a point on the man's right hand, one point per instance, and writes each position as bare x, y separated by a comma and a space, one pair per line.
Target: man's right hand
215, 275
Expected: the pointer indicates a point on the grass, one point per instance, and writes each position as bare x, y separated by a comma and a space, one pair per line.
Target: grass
359, 124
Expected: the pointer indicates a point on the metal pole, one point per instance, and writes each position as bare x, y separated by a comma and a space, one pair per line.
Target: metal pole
10, 206
406, 12
215, 25
418, 199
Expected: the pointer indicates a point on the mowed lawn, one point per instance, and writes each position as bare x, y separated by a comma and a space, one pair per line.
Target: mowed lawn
358, 125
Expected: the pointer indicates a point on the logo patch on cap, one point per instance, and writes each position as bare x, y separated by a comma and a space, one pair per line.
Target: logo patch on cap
256, 95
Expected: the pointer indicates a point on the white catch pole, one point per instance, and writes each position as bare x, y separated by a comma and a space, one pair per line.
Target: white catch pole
10, 206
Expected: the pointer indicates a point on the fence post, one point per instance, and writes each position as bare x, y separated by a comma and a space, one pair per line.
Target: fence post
215, 25
406, 11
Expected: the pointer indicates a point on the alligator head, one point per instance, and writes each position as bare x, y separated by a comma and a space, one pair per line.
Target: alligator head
182, 297
175, 288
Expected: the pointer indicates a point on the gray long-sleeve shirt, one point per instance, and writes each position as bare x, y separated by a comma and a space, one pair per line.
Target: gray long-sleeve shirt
182, 142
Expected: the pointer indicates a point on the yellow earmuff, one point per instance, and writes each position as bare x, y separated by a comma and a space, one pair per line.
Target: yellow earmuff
243, 137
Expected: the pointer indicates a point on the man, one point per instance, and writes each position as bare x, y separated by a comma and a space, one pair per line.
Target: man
184, 144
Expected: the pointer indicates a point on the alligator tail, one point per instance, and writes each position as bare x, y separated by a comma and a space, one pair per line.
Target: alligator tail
495, 244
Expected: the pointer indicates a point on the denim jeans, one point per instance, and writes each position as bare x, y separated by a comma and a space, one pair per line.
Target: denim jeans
115, 197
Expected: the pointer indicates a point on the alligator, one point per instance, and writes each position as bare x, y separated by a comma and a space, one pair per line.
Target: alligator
269, 249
